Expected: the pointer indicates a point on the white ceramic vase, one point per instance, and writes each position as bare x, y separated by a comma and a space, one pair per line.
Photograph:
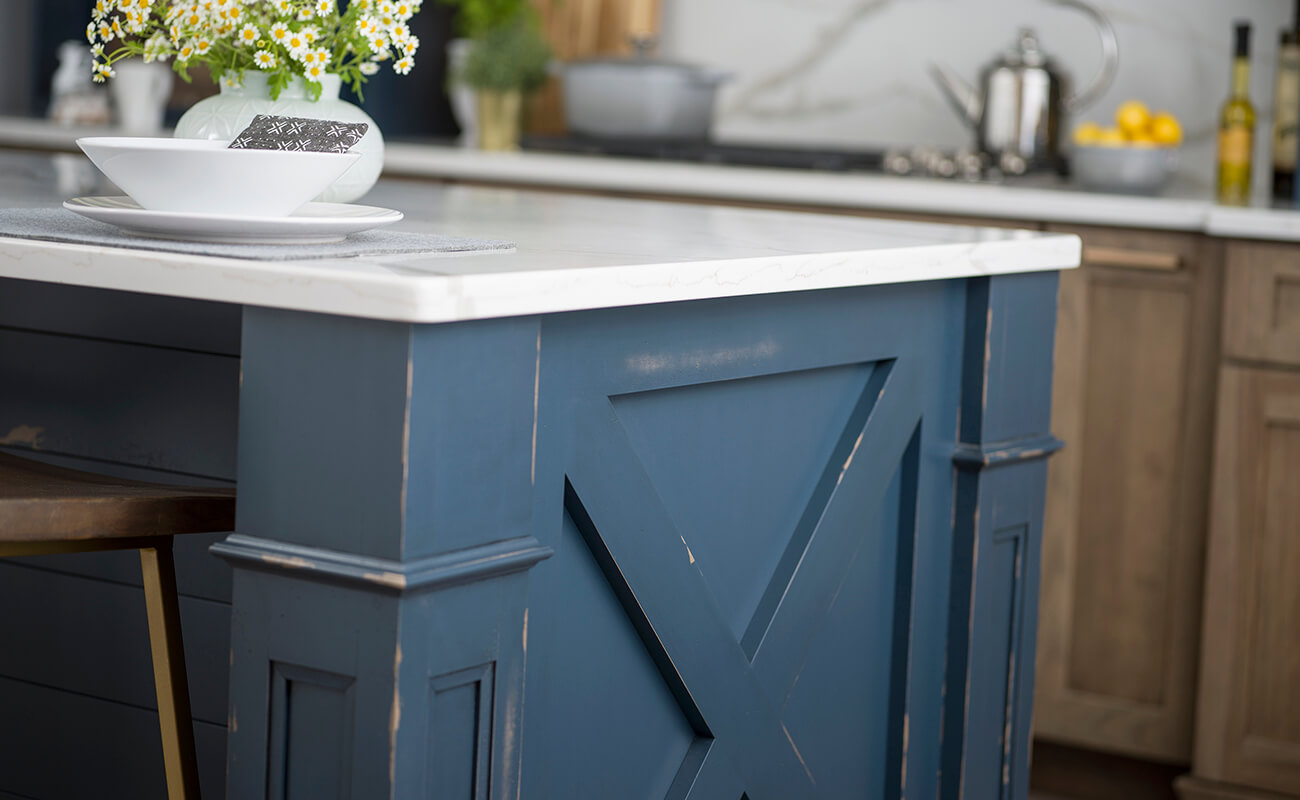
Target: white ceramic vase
464, 104
224, 115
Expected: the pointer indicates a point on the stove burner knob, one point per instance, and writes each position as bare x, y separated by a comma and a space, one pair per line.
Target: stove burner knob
1013, 164
897, 164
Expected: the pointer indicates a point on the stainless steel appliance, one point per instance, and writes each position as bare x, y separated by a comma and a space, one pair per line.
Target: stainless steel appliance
1018, 110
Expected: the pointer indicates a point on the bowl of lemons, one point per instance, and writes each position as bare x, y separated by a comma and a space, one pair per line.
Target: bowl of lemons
1135, 155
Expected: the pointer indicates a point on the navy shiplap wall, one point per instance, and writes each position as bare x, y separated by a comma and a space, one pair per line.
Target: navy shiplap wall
73, 631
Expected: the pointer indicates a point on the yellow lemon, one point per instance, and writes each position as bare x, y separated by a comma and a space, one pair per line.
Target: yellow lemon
1087, 134
1166, 130
1111, 137
1133, 118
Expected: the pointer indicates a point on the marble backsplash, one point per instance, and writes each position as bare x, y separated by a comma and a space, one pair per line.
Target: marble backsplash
854, 73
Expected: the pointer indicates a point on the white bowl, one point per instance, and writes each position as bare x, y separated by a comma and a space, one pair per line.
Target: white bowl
201, 176
1127, 170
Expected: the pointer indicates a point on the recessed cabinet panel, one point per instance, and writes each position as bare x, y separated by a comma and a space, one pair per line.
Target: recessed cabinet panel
1133, 400
1249, 723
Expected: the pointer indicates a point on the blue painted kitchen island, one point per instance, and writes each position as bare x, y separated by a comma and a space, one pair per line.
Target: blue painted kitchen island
671, 502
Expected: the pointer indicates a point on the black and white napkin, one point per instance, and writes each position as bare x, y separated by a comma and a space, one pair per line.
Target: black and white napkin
267, 132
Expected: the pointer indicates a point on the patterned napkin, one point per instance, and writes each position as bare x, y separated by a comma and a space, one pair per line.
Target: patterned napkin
268, 132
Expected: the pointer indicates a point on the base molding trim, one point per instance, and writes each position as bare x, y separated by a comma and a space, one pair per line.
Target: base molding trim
997, 454
424, 574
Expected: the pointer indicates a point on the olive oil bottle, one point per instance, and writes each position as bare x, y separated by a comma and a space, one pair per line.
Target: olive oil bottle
1237, 128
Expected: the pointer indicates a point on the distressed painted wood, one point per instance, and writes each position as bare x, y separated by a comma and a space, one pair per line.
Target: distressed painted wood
701, 550
1005, 412
720, 532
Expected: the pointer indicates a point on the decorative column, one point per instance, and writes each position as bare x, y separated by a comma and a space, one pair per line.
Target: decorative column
384, 540
1004, 440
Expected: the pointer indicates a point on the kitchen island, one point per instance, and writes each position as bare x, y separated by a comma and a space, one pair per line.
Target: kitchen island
669, 501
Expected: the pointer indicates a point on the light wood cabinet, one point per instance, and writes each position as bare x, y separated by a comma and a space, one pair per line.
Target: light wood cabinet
1248, 713
1119, 611
1263, 303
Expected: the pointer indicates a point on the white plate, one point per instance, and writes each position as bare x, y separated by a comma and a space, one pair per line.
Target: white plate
314, 223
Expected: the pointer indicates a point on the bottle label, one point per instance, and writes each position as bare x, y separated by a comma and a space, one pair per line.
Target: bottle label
1286, 109
1234, 146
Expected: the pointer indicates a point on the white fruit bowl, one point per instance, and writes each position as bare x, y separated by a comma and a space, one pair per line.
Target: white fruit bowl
1124, 170
198, 176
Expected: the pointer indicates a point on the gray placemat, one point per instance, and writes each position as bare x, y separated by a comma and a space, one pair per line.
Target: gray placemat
61, 225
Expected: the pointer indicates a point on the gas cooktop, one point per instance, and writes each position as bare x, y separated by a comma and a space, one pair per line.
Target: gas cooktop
921, 161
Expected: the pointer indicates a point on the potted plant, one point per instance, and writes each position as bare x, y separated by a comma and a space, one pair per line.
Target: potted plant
506, 58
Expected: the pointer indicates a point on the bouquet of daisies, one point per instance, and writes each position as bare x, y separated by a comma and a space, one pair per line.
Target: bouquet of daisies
283, 38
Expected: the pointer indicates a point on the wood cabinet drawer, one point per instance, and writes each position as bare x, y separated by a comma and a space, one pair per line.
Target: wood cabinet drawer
1262, 307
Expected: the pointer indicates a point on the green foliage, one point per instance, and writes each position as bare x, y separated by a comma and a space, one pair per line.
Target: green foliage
476, 17
508, 56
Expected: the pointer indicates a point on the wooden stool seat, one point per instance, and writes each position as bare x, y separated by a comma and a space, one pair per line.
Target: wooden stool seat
44, 503
48, 509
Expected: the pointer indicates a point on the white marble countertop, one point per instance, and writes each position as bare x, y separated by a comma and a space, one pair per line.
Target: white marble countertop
573, 252
1183, 207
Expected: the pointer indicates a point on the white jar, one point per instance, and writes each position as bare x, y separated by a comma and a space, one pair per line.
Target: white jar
225, 115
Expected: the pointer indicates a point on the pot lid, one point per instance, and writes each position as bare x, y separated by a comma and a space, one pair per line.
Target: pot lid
643, 58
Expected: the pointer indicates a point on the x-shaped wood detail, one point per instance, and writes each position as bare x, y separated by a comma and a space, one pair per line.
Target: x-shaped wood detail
734, 702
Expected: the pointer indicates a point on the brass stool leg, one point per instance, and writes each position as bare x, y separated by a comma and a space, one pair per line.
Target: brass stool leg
169, 671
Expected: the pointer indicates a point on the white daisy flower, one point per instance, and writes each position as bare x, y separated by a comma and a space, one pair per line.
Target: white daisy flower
295, 43
90, 32
324, 7
378, 42
97, 51
185, 53
102, 73
409, 46
369, 68
387, 7
279, 33
305, 13
284, 6
264, 59
314, 72
249, 35
403, 65
202, 46
311, 33
106, 32
367, 25
403, 10
231, 79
